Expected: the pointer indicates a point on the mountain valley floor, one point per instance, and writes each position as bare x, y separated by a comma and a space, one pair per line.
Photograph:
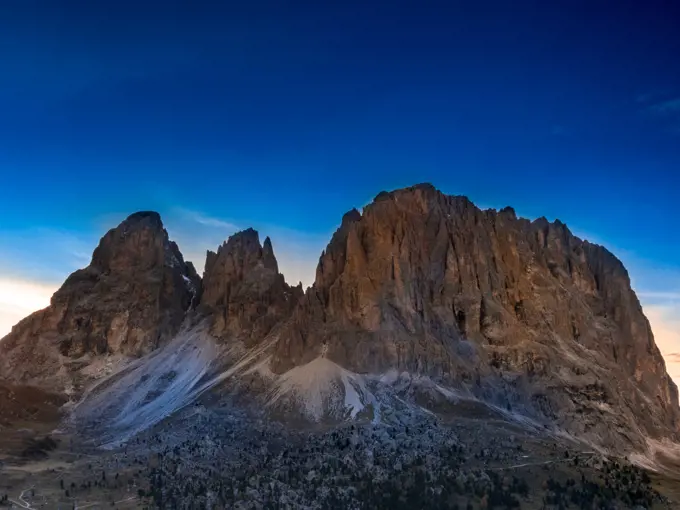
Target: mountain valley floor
215, 454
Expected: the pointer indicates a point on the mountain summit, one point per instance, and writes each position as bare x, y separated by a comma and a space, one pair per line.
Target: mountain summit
518, 312
129, 301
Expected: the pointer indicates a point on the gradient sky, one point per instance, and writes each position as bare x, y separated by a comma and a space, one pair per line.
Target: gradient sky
283, 115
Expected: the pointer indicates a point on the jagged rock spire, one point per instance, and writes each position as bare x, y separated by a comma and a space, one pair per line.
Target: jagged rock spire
243, 289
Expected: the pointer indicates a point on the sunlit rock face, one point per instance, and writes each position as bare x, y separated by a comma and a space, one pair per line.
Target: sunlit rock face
428, 283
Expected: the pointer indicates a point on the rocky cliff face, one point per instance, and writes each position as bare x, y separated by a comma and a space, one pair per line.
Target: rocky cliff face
130, 299
243, 290
430, 284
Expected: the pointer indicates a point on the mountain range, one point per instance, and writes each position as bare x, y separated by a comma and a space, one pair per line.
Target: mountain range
421, 297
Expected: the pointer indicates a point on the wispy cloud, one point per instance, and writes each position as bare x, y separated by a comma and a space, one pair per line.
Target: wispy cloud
667, 107
206, 220
653, 95
665, 296
196, 232
664, 106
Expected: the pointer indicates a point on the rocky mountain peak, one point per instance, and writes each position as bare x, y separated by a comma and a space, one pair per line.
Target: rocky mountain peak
243, 289
509, 211
427, 283
423, 189
268, 257
144, 216
130, 299
139, 242
237, 259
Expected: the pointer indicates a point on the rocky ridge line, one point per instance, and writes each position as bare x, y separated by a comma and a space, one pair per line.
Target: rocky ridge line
522, 313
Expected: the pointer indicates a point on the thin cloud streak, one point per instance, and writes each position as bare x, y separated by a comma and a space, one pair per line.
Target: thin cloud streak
667, 296
668, 107
208, 221
196, 232
665, 109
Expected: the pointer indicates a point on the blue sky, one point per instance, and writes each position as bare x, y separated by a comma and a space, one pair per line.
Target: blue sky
284, 115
